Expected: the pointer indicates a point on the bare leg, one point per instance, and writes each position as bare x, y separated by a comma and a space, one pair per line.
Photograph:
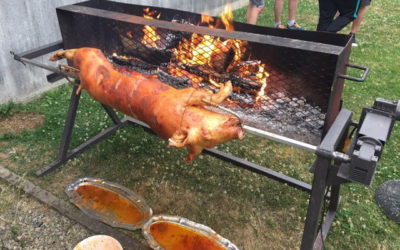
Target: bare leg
292, 9
278, 10
358, 20
252, 13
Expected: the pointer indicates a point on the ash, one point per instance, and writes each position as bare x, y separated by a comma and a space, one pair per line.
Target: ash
290, 117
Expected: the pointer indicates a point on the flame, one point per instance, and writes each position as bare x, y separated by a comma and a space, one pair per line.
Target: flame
227, 17
262, 77
213, 54
218, 54
207, 19
150, 36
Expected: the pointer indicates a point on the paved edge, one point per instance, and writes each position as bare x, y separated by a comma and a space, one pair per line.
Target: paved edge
68, 210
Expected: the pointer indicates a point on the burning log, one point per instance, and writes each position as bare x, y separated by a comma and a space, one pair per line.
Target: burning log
146, 53
134, 64
176, 82
176, 115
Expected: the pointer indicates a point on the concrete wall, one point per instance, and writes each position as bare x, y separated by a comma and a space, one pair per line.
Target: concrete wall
28, 24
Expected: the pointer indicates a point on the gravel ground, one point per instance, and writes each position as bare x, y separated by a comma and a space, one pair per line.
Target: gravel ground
25, 223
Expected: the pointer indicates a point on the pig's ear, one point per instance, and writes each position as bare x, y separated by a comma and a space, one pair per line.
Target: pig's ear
179, 138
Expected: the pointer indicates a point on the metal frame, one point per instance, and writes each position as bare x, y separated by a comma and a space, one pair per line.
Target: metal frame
324, 168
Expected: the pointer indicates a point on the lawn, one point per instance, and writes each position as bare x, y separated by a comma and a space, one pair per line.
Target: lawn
252, 211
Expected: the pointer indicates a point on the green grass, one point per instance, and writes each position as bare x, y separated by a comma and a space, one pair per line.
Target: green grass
254, 212
360, 222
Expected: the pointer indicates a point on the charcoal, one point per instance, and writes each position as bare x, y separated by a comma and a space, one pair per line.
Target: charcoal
134, 64
300, 102
243, 98
176, 82
241, 82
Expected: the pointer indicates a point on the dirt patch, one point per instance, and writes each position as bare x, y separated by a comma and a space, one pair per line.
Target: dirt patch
26, 223
19, 122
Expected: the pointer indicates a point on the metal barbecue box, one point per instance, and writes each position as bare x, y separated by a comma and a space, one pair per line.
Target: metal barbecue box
304, 71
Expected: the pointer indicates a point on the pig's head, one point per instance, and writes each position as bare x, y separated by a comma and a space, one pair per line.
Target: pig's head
206, 131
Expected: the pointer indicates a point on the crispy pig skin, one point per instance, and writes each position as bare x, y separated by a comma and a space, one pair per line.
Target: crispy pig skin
172, 114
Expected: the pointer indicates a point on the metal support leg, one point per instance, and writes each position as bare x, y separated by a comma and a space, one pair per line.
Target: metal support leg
329, 218
63, 154
315, 203
112, 114
66, 136
69, 123
335, 198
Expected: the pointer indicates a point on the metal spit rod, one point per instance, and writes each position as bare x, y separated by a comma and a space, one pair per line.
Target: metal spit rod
282, 139
294, 143
42, 65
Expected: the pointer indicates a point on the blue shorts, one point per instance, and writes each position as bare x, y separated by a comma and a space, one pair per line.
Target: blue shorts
257, 3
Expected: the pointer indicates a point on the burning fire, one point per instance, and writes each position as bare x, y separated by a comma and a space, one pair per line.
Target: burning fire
221, 55
210, 54
178, 72
227, 17
150, 35
262, 77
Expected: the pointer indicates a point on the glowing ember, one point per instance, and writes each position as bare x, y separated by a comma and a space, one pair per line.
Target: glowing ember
150, 36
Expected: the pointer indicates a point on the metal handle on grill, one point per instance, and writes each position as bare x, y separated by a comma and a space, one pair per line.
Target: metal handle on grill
356, 79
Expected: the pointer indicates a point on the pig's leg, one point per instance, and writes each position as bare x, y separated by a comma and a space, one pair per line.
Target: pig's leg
199, 96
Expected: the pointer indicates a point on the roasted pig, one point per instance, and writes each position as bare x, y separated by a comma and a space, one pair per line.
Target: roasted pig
179, 116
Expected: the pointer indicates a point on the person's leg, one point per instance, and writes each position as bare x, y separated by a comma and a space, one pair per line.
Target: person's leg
348, 12
253, 11
292, 9
278, 7
327, 11
358, 20
292, 16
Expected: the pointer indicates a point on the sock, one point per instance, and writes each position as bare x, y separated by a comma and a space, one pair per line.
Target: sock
277, 24
291, 22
